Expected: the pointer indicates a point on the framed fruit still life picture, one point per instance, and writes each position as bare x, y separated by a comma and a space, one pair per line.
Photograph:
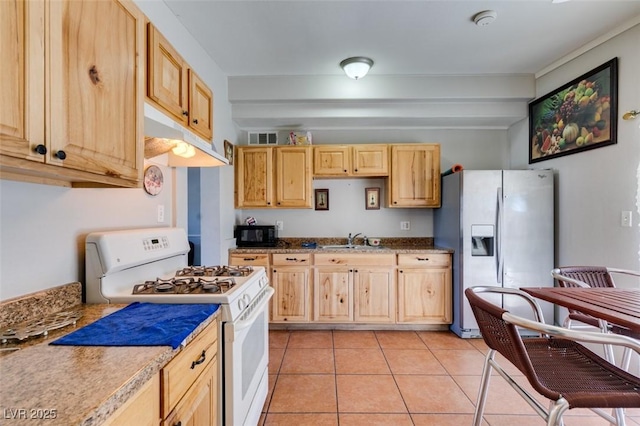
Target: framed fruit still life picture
579, 116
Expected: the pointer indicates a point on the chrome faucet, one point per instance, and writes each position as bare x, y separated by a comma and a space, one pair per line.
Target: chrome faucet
350, 238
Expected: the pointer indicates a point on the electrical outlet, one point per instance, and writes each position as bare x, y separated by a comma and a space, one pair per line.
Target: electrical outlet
280, 225
160, 213
625, 219
405, 226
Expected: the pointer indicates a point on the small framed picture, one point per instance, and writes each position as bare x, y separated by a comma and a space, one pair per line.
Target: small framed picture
372, 198
322, 199
228, 151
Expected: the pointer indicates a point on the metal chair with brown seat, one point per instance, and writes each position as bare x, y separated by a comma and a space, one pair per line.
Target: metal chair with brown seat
594, 276
555, 364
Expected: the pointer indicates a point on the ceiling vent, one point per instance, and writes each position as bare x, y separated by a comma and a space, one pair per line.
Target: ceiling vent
263, 138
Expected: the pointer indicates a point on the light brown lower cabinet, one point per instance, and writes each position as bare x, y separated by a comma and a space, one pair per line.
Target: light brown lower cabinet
142, 409
358, 288
424, 289
374, 294
333, 294
198, 406
291, 280
190, 382
354, 288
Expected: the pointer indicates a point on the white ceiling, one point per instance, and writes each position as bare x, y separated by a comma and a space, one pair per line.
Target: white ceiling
254, 39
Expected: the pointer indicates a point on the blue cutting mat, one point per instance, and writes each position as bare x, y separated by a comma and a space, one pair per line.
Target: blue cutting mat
142, 324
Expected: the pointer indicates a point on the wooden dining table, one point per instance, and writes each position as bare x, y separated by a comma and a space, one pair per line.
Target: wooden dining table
619, 306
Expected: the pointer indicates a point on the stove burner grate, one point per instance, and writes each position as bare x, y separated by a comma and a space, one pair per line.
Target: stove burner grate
185, 285
40, 326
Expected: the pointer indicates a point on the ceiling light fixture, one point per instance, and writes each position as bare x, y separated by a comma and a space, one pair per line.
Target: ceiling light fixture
356, 67
630, 115
485, 18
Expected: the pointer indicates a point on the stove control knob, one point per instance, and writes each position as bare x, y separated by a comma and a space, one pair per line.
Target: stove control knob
241, 304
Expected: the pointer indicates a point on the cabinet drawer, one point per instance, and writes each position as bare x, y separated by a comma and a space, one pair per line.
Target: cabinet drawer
182, 371
249, 259
355, 259
291, 259
425, 259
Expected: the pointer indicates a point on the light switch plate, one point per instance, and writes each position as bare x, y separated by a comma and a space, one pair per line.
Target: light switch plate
280, 225
625, 219
160, 213
405, 226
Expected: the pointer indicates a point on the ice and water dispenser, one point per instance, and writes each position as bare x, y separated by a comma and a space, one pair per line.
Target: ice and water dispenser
482, 240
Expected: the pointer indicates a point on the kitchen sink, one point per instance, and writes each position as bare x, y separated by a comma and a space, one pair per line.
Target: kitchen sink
350, 246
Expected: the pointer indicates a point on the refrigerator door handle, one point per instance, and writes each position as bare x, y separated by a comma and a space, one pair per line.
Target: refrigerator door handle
499, 259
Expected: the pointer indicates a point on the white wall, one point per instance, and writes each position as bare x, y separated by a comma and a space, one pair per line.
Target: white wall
42, 228
593, 187
474, 149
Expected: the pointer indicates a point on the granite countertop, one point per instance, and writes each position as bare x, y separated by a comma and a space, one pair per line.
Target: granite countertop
83, 384
389, 245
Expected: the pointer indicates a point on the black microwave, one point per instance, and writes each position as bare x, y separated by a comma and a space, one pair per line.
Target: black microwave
256, 235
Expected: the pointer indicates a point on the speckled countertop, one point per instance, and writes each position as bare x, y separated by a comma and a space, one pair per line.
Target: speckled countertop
83, 384
388, 245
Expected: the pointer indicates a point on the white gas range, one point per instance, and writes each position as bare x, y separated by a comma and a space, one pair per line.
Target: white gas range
150, 265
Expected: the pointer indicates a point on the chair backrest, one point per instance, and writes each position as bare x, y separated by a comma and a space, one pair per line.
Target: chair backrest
594, 276
499, 334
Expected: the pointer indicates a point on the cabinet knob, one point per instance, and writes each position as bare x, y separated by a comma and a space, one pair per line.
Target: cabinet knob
177, 423
195, 121
274, 271
61, 155
345, 170
423, 259
40, 149
356, 170
185, 113
395, 202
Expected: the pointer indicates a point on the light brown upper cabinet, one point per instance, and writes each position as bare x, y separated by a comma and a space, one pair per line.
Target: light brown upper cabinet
268, 177
175, 88
350, 160
72, 92
414, 180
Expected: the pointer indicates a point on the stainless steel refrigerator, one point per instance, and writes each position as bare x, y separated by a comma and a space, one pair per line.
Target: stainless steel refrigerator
500, 224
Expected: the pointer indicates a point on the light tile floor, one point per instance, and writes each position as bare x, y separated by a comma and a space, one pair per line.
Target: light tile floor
390, 378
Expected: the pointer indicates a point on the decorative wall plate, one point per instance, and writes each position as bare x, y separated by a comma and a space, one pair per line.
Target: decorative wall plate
153, 180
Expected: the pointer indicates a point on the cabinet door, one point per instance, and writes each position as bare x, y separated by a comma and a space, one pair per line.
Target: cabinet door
293, 177
95, 106
374, 294
166, 76
414, 180
290, 302
22, 83
142, 409
331, 160
370, 160
333, 295
198, 406
424, 295
200, 107
254, 177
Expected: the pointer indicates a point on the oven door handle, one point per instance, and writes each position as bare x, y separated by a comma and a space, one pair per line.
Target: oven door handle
257, 309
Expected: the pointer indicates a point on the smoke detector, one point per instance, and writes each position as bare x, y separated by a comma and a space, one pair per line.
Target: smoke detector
485, 18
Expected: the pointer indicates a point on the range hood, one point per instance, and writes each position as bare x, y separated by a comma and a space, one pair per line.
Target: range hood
173, 145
